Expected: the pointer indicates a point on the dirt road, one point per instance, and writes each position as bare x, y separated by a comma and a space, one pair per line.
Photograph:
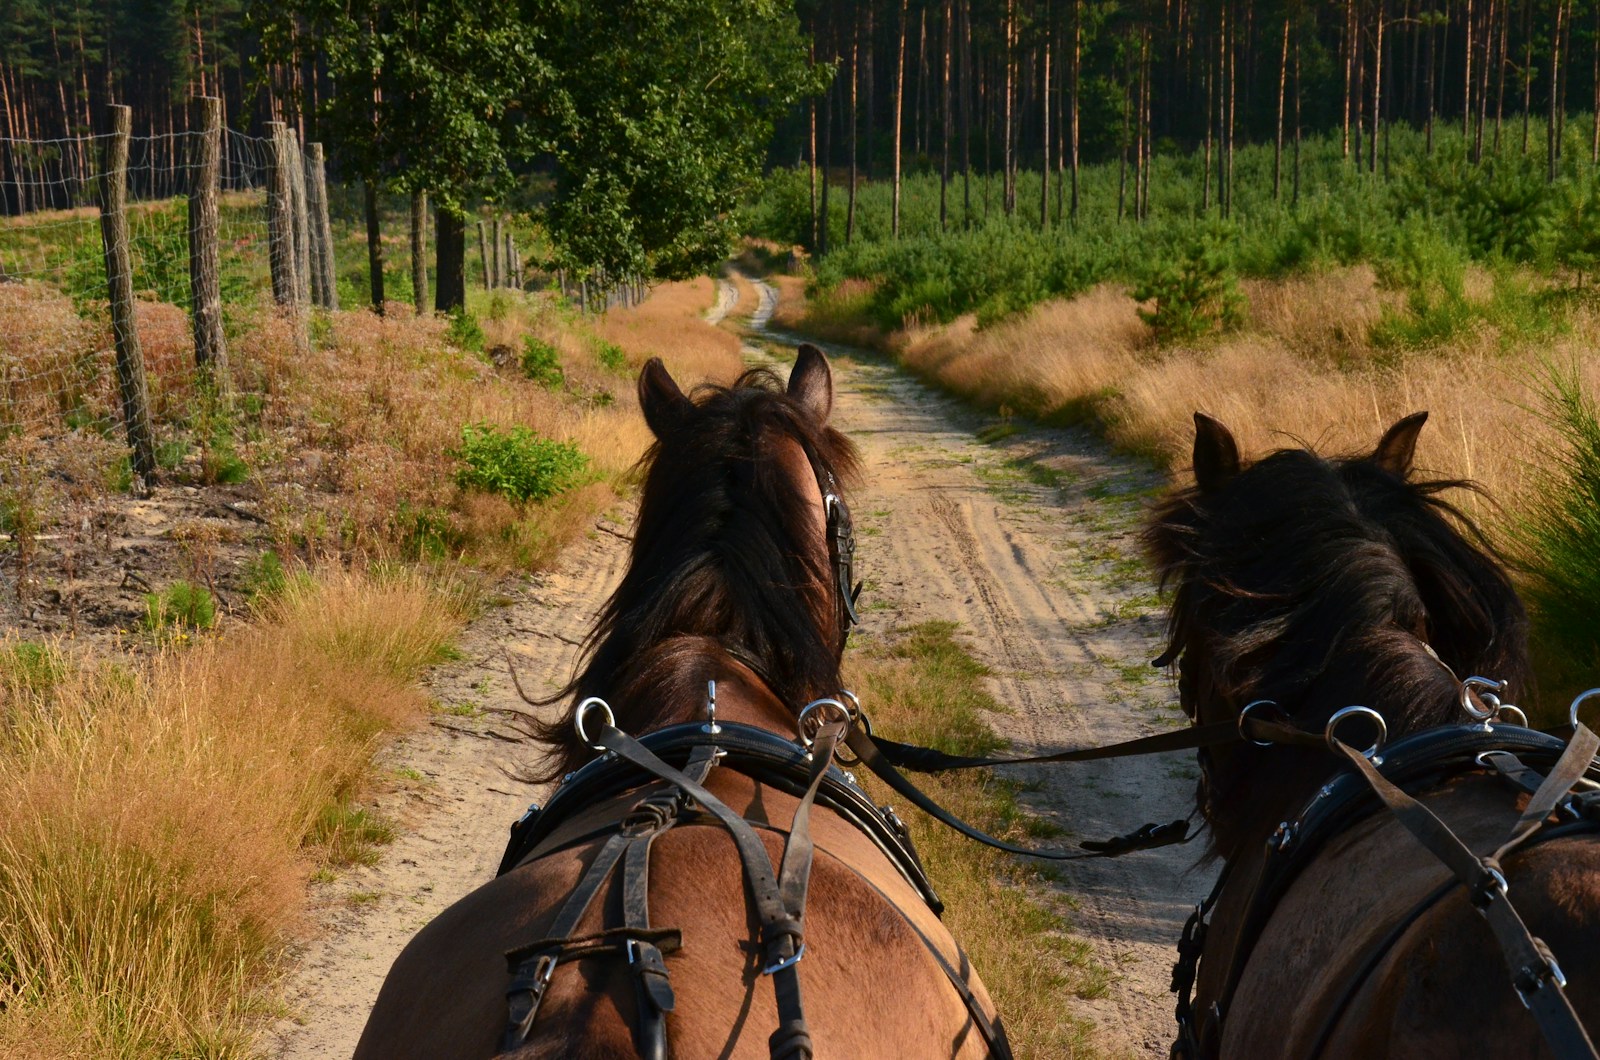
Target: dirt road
1024, 541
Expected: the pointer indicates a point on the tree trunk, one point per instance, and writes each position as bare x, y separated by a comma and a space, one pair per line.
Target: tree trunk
1552, 132
419, 252
1077, 53
944, 136
855, 85
374, 245
1009, 191
1045, 96
1295, 198
1377, 91
1277, 144
827, 157
966, 113
450, 286
899, 105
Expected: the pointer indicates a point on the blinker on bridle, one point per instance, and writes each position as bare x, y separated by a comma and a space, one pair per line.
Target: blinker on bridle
841, 552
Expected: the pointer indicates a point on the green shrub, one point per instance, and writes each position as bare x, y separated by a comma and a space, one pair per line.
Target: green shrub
1194, 297
183, 605
611, 356
1560, 535
541, 362
464, 332
517, 463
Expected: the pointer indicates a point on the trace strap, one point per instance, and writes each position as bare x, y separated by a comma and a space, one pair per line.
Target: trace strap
881, 756
1534, 973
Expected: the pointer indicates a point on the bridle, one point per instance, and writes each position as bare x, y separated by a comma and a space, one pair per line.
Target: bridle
841, 533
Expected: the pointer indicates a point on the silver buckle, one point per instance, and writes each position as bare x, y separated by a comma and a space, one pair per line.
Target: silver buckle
787, 962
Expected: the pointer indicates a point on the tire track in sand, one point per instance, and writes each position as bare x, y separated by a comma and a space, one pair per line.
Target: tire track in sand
1028, 544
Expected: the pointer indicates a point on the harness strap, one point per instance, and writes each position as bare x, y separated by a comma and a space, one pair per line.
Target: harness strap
531, 971
782, 934
1534, 973
645, 959
1150, 836
1255, 727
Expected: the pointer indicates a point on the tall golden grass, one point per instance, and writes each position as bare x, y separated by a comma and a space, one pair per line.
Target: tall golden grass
1302, 373
161, 818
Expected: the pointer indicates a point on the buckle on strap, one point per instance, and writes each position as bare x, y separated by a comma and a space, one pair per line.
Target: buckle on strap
787, 962
1530, 979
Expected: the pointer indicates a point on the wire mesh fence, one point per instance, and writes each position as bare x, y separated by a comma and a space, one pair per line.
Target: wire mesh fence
58, 341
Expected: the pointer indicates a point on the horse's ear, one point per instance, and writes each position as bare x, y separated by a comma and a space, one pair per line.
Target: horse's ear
1216, 454
1398, 446
811, 382
663, 403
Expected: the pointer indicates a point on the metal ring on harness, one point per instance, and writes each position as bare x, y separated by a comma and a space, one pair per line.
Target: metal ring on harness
809, 737
1330, 733
858, 717
1511, 714
1245, 713
1491, 704
1572, 712
596, 703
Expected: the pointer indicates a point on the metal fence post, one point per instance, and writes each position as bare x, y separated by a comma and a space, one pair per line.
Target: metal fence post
205, 284
119, 285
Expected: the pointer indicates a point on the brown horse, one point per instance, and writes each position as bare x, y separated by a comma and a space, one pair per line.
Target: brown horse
734, 578
1316, 584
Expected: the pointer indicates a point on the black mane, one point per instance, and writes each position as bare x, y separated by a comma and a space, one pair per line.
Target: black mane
1319, 584
717, 563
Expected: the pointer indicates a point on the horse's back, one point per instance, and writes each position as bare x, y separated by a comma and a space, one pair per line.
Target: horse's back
864, 968
1371, 953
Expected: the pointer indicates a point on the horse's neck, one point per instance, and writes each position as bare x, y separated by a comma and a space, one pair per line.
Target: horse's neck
678, 683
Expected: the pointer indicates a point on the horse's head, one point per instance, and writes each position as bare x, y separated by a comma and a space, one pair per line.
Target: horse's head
1318, 584
740, 550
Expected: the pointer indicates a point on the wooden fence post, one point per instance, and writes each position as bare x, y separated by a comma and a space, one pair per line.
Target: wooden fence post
119, 285
419, 251
205, 283
280, 220
495, 274
302, 219
325, 284
483, 255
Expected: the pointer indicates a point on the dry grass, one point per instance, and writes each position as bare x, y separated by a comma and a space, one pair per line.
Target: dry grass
1302, 374
670, 324
921, 686
162, 819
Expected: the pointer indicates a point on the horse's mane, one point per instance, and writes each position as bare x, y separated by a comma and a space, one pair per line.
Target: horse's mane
717, 563
1322, 583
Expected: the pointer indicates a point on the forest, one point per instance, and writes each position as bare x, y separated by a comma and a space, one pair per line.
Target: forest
953, 88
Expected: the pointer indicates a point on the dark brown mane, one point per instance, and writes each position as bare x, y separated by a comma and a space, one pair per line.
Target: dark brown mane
1319, 584
717, 562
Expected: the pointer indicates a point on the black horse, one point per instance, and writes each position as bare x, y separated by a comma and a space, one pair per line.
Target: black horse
1306, 585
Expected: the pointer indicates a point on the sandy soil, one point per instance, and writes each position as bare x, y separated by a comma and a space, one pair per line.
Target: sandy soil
1026, 542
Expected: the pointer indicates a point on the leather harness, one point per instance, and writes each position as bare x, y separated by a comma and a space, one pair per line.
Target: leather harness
1560, 777
674, 794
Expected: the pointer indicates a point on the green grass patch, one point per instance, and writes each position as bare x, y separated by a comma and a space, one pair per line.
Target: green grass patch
921, 685
180, 606
541, 362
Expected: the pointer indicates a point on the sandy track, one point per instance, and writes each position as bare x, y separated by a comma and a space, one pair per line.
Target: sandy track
1032, 564
1029, 545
